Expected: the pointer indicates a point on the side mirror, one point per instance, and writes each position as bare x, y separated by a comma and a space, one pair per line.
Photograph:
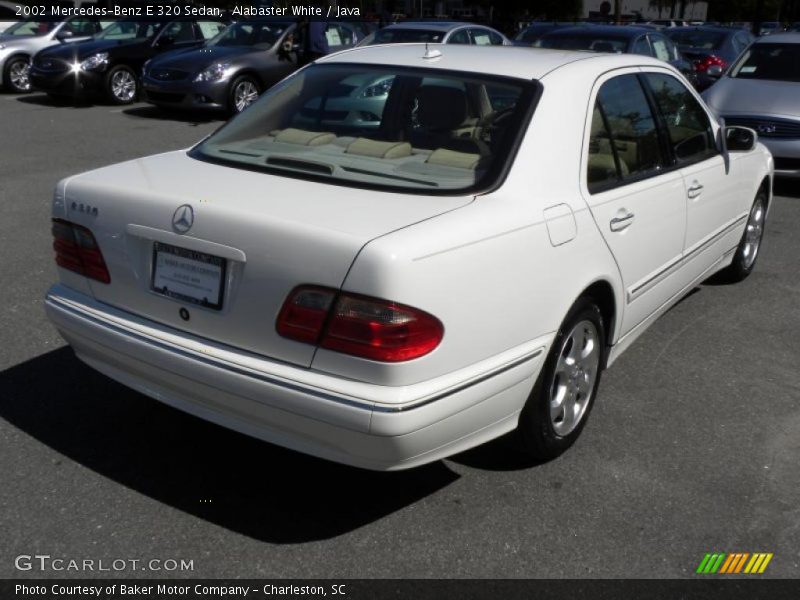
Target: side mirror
740, 139
714, 71
164, 41
64, 35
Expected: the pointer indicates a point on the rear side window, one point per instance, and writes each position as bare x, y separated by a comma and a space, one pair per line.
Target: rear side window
688, 125
660, 48
210, 29
624, 144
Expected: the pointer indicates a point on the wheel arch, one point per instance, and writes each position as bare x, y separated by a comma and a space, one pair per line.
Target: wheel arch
602, 293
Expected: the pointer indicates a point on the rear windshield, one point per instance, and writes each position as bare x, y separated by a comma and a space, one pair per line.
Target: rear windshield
432, 131
702, 40
251, 33
31, 28
777, 62
595, 43
407, 36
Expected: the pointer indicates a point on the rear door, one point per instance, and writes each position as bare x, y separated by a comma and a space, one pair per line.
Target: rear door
638, 204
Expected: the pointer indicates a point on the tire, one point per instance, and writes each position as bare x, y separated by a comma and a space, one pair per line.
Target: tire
563, 395
744, 260
121, 85
15, 75
241, 94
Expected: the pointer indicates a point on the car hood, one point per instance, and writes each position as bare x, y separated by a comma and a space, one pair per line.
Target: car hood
200, 58
731, 96
83, 50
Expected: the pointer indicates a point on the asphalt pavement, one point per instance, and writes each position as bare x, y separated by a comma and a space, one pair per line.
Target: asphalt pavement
692, 447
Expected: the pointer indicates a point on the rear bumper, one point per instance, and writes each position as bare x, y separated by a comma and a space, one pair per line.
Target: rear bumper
295, 407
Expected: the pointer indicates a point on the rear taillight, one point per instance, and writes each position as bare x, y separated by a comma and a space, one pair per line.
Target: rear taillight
362, 326
77, 250
701, 66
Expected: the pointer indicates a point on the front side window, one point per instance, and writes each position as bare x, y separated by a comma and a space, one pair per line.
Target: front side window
624, 143
130, 30
384, 127
459, 37
30, 28
776, 62
179, 32
81, 27
262, 34
688, 125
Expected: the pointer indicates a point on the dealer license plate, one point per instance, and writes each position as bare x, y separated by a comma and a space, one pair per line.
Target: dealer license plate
188, 275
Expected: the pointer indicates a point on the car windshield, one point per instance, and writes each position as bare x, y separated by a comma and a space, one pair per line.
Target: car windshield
778, 62
380, 127
407, 36
702, 40
596, 43
251, 33
130, 30
31, 28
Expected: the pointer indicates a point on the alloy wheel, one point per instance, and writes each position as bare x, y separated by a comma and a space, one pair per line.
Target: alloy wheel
123, 85
244, 95
753, 234
18, 76
574, 379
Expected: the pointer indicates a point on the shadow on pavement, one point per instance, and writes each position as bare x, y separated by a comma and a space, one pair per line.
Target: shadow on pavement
54, 101
231, 480
161, 114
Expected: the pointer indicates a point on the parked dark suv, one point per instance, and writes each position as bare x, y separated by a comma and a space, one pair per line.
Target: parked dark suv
109, 65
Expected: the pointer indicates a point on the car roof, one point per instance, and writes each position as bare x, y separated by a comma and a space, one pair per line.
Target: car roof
788, 37
432, 25
521, 62
725, 30
625, 31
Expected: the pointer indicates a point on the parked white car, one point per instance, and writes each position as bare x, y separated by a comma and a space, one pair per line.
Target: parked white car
386, 296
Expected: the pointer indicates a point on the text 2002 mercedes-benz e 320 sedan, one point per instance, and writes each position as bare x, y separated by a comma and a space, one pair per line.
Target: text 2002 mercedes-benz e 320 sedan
402, 252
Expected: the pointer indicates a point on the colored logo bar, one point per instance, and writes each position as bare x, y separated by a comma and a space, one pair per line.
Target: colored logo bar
734, 563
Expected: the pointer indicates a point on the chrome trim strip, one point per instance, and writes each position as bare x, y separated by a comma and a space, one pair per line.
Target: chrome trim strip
316, 392
463, 386
633, 293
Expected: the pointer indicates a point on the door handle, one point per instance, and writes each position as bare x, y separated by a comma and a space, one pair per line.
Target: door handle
620, 223
695, 190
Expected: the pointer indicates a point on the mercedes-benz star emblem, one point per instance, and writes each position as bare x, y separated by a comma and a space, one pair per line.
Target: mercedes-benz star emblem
183, 219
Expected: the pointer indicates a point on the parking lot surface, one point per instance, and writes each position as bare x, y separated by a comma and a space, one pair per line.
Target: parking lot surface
691, 448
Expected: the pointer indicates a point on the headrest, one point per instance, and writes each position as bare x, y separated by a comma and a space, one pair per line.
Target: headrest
441, 107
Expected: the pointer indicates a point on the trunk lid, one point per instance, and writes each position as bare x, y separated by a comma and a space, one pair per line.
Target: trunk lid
274, 233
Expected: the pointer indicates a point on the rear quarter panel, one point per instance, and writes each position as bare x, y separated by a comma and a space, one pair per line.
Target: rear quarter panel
489, 271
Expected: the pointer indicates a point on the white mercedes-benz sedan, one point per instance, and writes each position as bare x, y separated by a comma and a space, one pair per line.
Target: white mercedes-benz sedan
388, 276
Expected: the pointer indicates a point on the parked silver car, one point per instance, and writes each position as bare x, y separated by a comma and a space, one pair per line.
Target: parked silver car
437, 32
761, 91
22, 40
